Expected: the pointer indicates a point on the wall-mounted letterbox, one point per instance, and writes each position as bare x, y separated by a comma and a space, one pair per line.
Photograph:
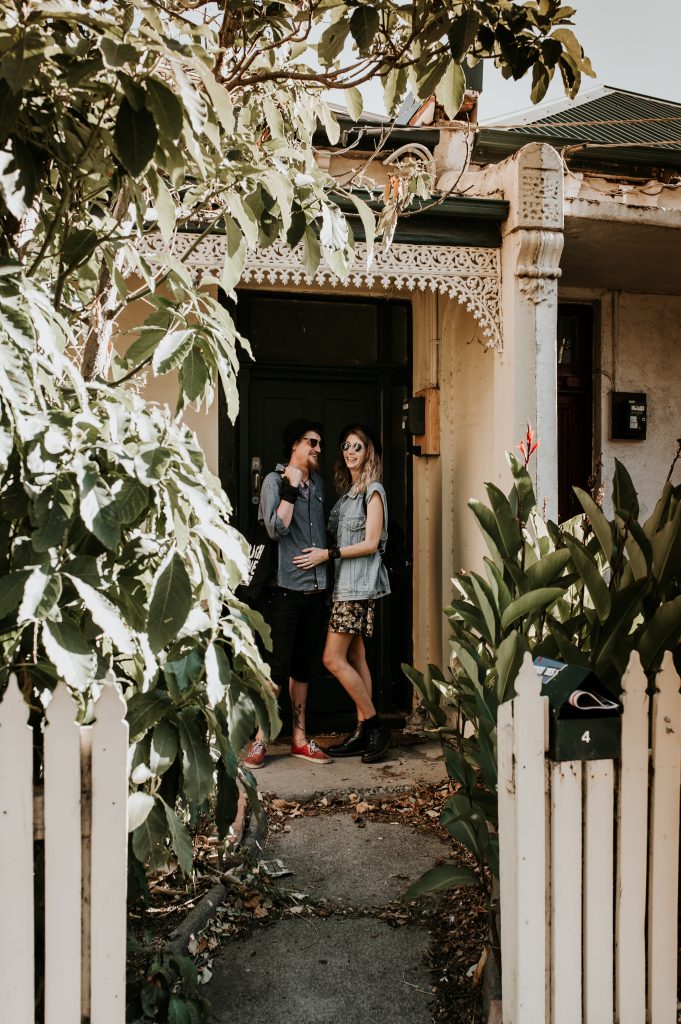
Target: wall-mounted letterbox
584, 721
422, 421
629, 415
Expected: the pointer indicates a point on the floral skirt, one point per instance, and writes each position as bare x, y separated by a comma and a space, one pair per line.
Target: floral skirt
354, 617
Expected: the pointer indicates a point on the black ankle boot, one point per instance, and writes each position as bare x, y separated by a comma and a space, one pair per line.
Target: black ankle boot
379, 741
352, 745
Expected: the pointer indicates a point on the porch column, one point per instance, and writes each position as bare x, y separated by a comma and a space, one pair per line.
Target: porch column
525, 372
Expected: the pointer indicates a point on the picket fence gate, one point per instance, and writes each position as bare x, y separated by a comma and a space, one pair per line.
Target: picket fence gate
589, 863
81, 815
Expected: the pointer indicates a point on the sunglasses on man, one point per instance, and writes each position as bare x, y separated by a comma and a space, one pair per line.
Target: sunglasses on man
313, 442
356, 446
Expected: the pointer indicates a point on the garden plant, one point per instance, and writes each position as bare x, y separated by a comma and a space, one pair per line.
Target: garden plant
586, 592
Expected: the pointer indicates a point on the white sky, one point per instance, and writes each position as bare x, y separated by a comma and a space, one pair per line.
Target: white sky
633, 44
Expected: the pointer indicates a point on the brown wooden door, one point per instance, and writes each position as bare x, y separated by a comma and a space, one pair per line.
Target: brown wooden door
575, 404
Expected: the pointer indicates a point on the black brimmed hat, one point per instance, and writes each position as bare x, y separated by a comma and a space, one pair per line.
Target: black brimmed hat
352, 428
296, 429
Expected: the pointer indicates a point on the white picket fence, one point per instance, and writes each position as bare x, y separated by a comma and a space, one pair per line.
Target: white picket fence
589, 859
81, 816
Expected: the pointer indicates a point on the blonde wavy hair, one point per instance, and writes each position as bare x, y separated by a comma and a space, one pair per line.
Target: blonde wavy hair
371, 470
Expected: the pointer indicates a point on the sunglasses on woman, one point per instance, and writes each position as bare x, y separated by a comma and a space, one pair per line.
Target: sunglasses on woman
356, 446
313, 442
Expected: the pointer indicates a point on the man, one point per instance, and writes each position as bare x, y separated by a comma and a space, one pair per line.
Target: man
292, 509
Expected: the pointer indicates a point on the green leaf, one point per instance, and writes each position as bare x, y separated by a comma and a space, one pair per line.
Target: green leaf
139, 808
590, 573
666, 549
510, 653
465, 655
529, 604
197, 766
441, 878
132, 499
355, 103
42, 590
368, 223
662, 634
485, 602
599, 523
194, 375
235, 256
489, 529
149, 839
135, 137
624, 496
462, 33
625, 606
333, 40
117, 54
638, 547
69, 652
171, 351
178, 1009
450, 89
11, 591
98, 508
462, 831
179, 839
507, 525
145, 710
53, 512
106, 615
163, 747
546, 571
458, 768
171, 599
218, 674
364, 24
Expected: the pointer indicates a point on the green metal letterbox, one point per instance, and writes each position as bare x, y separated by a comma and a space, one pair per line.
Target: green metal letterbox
584, 721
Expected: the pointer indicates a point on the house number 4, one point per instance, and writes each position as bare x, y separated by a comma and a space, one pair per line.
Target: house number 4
586, 737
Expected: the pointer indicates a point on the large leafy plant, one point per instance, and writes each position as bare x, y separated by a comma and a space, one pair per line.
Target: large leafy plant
117, 561
587, 592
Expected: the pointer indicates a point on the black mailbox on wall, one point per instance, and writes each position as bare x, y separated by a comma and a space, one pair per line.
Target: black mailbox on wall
629, 415
584, 720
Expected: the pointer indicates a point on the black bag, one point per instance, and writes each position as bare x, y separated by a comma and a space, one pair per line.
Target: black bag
395, 556
262, 564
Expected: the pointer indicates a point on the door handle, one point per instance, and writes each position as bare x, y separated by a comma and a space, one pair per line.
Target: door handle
256, 479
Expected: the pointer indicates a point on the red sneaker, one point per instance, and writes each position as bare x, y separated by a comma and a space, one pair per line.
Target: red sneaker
310, 752
255, 758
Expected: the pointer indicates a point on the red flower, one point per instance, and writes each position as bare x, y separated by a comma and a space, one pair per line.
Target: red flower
528, 445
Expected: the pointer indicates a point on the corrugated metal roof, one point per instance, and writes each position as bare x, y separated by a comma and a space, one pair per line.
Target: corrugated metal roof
612, 117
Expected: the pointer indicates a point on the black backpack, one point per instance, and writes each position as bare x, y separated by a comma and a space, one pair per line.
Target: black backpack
263, 555
395, 556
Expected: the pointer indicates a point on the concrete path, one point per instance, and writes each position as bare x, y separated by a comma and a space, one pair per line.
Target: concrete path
349, 967
292, 779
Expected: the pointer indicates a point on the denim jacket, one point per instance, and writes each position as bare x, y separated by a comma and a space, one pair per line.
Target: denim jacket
306, 530
358, 579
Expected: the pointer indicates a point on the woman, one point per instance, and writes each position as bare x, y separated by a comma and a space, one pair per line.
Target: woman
358, 525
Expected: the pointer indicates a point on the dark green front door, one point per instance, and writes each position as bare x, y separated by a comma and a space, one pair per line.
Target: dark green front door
334, 361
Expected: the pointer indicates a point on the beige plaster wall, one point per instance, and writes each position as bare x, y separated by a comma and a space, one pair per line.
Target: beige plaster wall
641, 351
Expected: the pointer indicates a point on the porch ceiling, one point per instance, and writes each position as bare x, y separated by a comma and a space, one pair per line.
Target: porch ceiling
621, 256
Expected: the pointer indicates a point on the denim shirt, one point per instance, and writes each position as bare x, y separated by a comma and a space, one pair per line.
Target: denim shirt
358, 579
306, 530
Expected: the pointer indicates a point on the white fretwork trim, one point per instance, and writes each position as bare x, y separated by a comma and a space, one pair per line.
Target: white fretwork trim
470, 274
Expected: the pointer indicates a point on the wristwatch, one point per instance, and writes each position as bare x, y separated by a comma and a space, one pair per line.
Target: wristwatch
334, 552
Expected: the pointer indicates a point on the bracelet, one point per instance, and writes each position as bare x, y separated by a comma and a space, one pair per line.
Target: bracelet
334, 552
289, 493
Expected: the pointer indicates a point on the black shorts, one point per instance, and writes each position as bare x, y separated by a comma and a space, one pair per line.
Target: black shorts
297, 622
